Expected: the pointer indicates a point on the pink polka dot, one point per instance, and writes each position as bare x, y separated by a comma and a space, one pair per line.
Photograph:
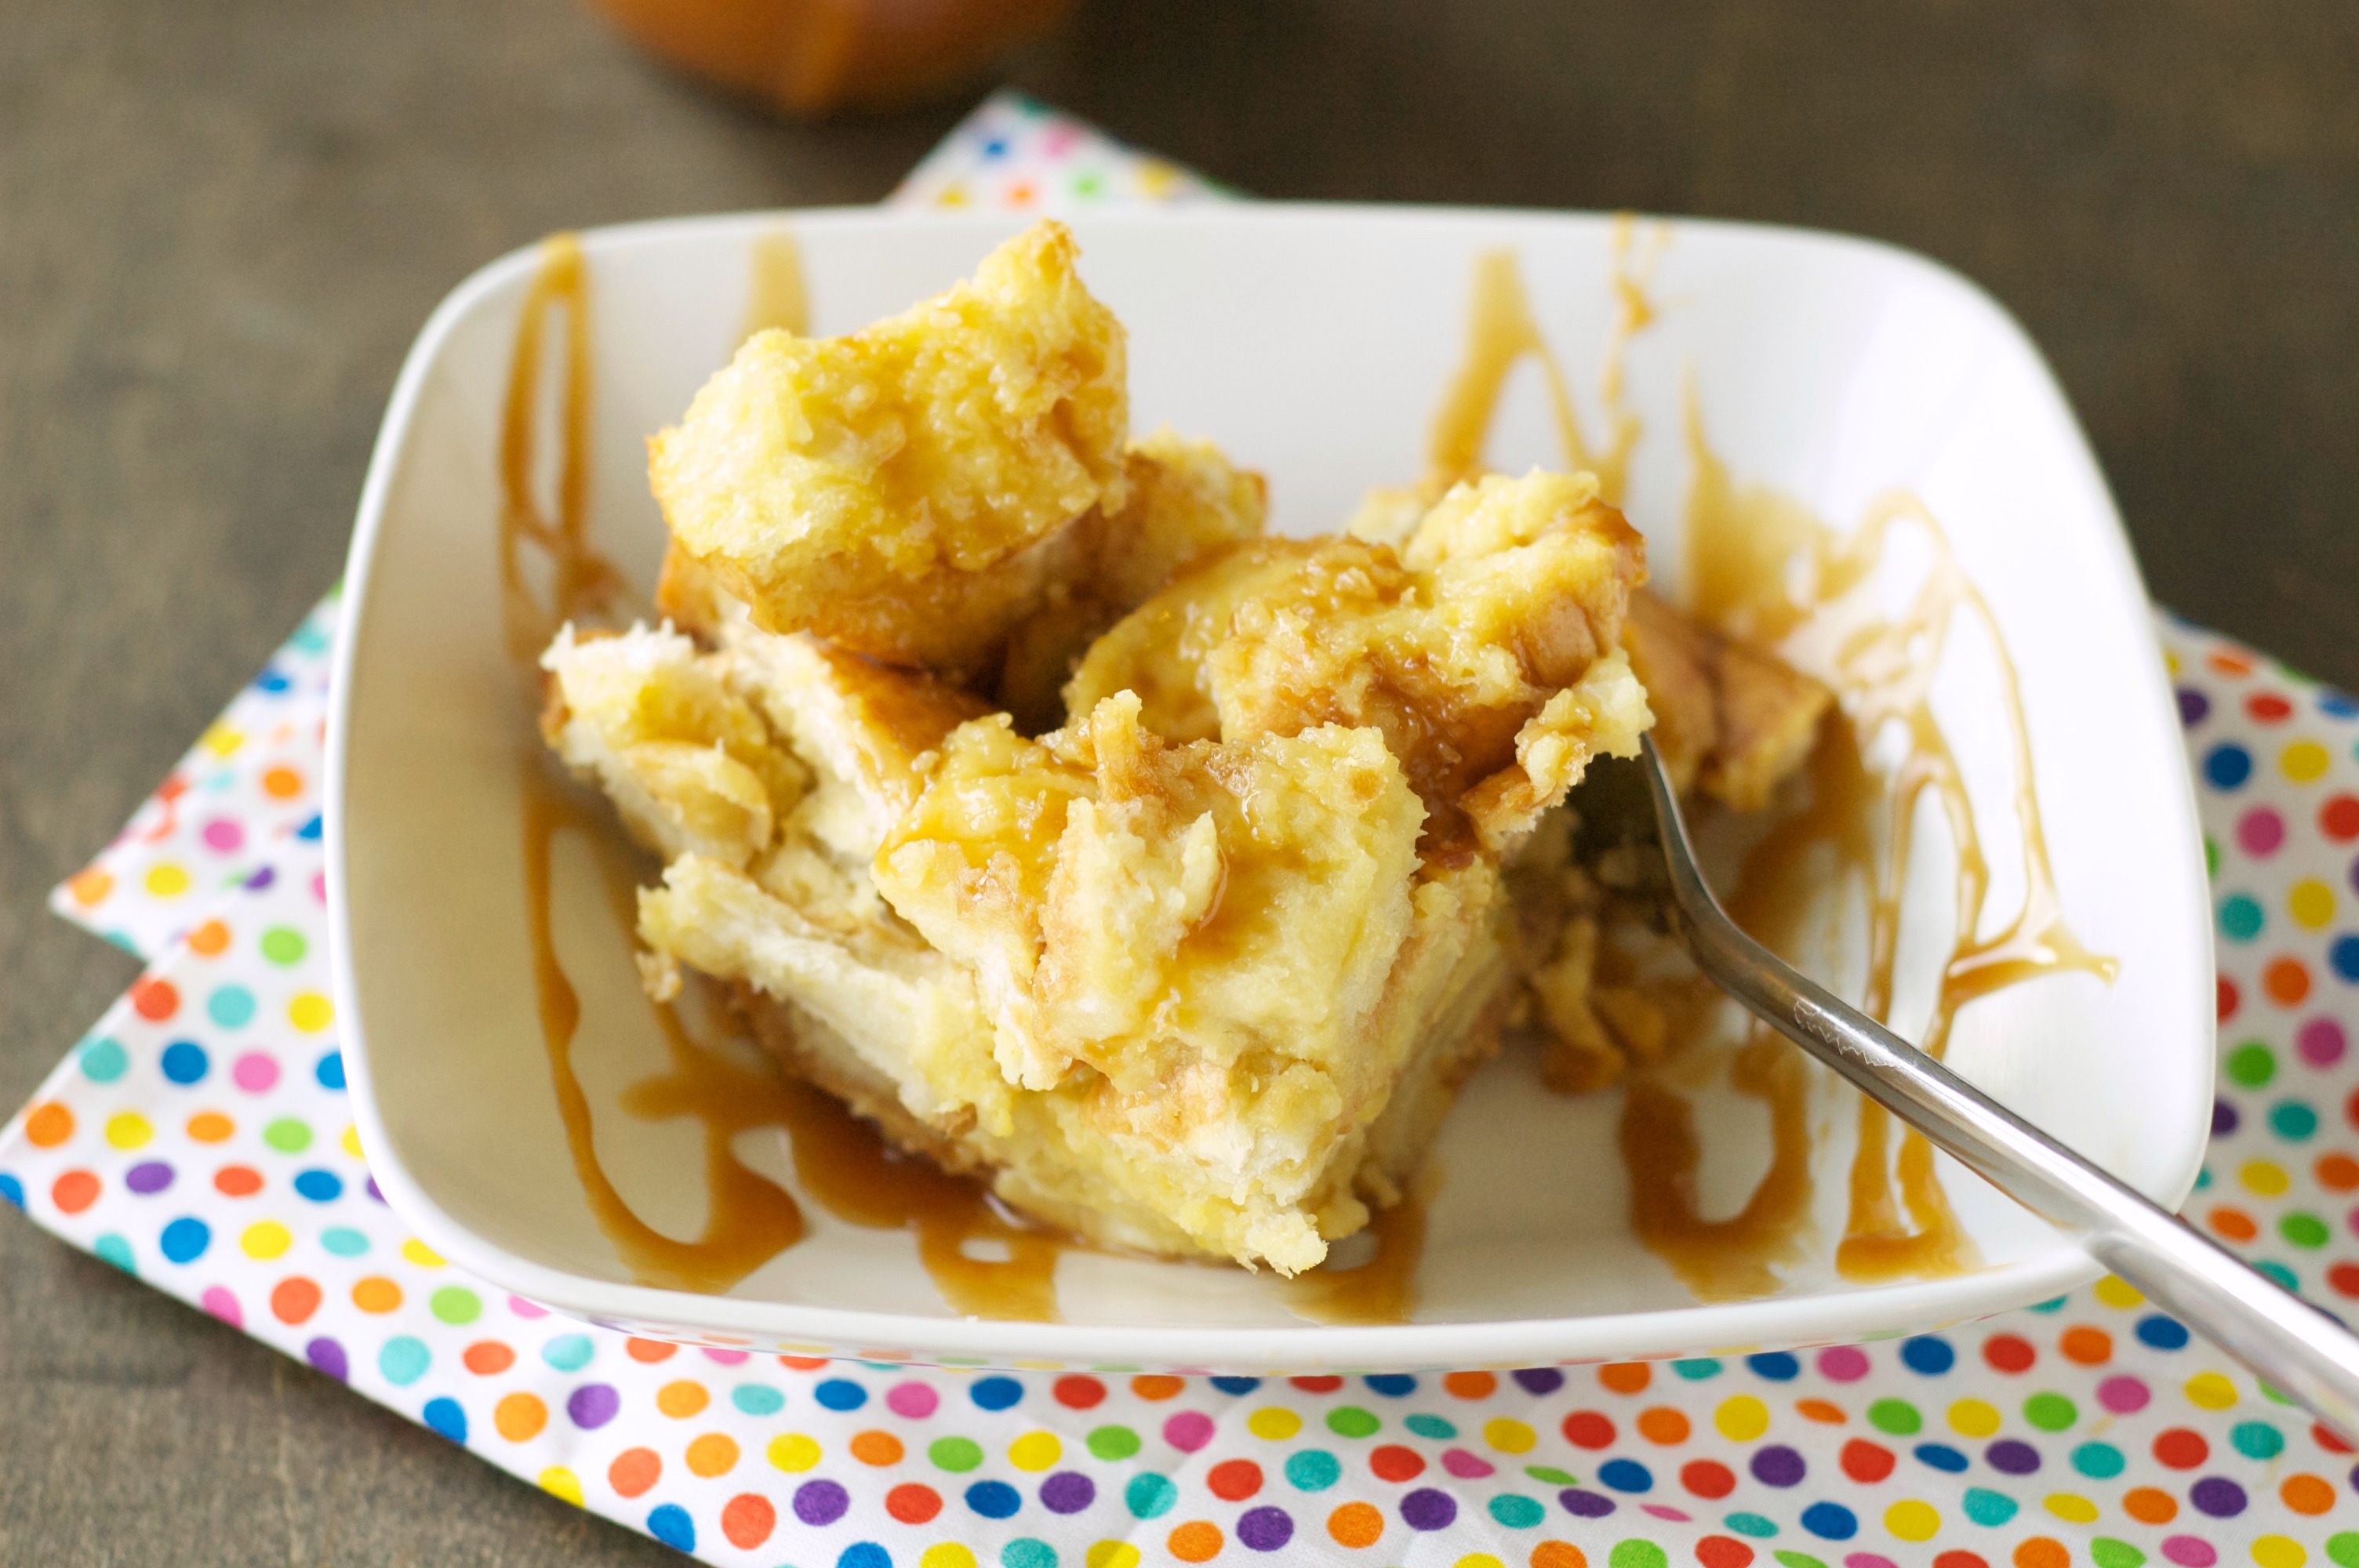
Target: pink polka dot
223, 1305
1843, 1363
319, 887
2260, 831
1868, 1560
1464, 1465
1188, 1431
223, 834
1661, 1512
2322, 1041
254, 1072
727, 1358
2188, 1553
523, 1308
915, 1401
2351, 1219
2122, 1395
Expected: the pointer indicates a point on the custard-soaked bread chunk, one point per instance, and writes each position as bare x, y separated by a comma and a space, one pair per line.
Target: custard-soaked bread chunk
817, 478
1486, 648
1732, 721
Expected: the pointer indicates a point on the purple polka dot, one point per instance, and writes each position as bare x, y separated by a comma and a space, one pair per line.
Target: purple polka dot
2322, 1041
2192, 705
2123, 1395
1068, 1492
1584, 1504
726, 1358
254, 1072
328, 1356
1778, 1466
2225, 1119
1844, 1363
1188, 1431
2261, 831
2188, 1553
2012, 1458
1427, 1508
153, 1176
915, 1401
224, 835
593, 1405
1464, 1465
2217, 1496
371, 1190
820, 1502
520, 1306
1266, 1530
261, 879
223, 1305
1539, 1380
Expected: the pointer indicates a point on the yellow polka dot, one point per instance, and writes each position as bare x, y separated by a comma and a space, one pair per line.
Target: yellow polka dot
2211, 1391
1741, 1419
166, 880
559, 1482
221, 740
2303, 760
1478, 1560
351, 1142
2170, 661
310, 1012
128, 1130
1275, 1424
2278, 1551
1912, 1521
2266, 1177
2116, 1292
951, 1555
1104, 1554
1973, 1418
2071, 1507
266, 1240
794, 1452
2312, 903
417, 1252
1035, 1451
1509, 1435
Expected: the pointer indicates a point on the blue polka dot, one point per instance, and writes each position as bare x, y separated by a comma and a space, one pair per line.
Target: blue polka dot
2227, 765
184, 1062
230, 1006
1312, 1470
1149, 1496
1023, 1552
2345, 956
844, 1394
995, 147
113, 1249
993, 1499
12, 1191
1393, 1385
1830, 1522
1928, 1354
2098, 1461
1750, 1524
1942, 1457
2240, 918
271, 681
103, 1060
403, 1360
997, 1393
309, 830
1777, 1366
669, 1523
1236, 1385
2336, 705
1695, 1370
571, 1352
2257, 1440
1985, 1506
185, 1239
1517, 1512
1431, 1426
2293, 1120
345, 1241
445, 1416
757, 1399
1626, 1475
329, 1070
868, 1554
2162, 1332
320, 1187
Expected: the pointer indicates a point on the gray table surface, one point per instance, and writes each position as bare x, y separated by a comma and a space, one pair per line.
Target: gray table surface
221, 224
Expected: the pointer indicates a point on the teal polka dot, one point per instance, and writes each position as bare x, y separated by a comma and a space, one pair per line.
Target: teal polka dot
2257, 1440
1024, 1551
2279, 1273
1750, 1524
103, 1060
2053, 1303
1431, 1426
113, 1249
1312, 1470
2203, 1177
403, 1360
345, 1243
571, 1352
1149, 1496
2240, 918
230, 1006
2251, 1064
1515, 1511
1695, 1370
2098, 1461
2293, 1120
1988, 1507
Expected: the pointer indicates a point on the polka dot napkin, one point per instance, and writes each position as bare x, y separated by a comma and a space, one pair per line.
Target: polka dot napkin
199, 1138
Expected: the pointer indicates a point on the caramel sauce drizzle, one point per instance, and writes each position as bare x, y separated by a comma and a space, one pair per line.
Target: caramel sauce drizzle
779, 296
1380, 1289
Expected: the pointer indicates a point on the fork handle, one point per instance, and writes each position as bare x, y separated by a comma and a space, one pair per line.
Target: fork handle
2296, 1347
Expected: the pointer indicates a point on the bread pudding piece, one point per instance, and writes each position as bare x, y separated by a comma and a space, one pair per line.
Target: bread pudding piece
884, 489
1731, 719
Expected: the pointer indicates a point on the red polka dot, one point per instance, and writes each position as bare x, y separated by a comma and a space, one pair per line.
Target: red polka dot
1317, 1385
154, 1000
2268, 707
237, 1181
487, 1357
1866, 1462
1723, 1552
2010, 1353
747, 1519
913, 1503
2339, 818
1961, 1560
2351, 1108
634, 1471
2345, 1277
1707, 1479
74, 1192
1391, 1463
653, 1350
2328, 1440
2226, 992
294, 1300
1588, 1429
1234, 1480
2182, 1449
1078, 1393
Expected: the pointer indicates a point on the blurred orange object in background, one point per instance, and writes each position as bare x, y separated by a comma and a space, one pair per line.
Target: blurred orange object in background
815, 57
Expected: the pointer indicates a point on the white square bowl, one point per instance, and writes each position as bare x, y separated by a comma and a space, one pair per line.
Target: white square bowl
1311, 343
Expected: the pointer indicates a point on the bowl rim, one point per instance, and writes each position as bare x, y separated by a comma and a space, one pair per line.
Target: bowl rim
1865, 1313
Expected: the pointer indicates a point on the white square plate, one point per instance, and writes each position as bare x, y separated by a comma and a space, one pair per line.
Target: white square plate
1311, 343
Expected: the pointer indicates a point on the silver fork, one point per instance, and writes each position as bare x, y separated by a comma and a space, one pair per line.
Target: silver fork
2297, 1348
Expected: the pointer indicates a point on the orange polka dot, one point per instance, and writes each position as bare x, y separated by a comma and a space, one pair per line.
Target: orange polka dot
2042, 1552
747, 1519
211, 1127
683, 1399
519, 1417
294, 1300
154, 1000
876, 1448
2229, 662
89, 887
48, 1125
2338, 1173
800, 1363
283, 782
653, 1350
376, 1293
1626, 1376
2149, 1505
487, 1357
715, 1454
2307, 1494
1558, 1555
1663, 1424
210, 939
1471, 1385
1355, 1524
2285, 980
1197, 1540
1154, 1386
237, 1181
2089, 1347
1819, 1411
74, 1192
2234, 1223
634, 1471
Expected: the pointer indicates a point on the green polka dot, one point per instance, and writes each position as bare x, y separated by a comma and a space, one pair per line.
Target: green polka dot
2049, 1412
2343, 1549
2107, 1553
2240, 918
284, 945
1350, 1420
1088, 185
2292, 1120
1798, 1560
2303, 1229
955, 1454
2211, 857
2272, 1395
2257, 1440
1897, 1417
1552, 1475
288, 1135
457, 1305
1113, 1443
1635, 1553
2251, 1064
